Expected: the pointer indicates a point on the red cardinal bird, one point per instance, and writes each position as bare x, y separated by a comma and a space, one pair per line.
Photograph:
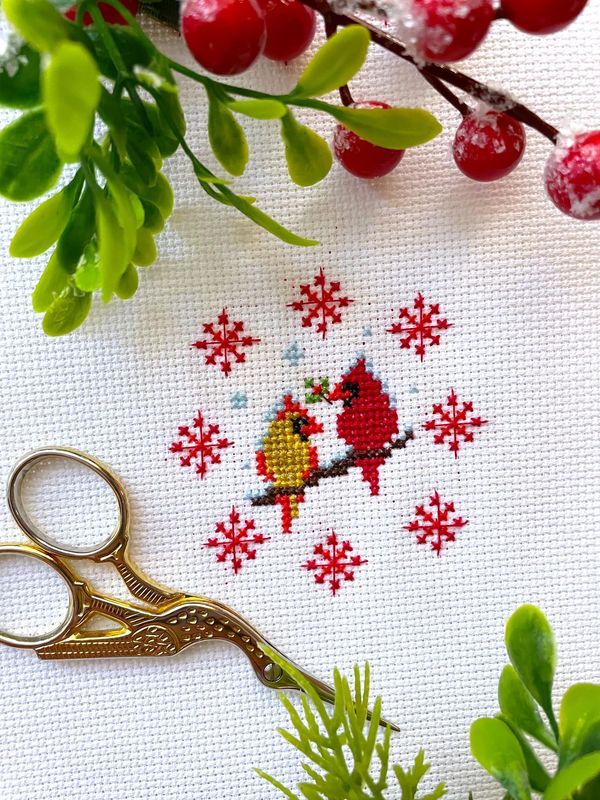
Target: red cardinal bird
368, 422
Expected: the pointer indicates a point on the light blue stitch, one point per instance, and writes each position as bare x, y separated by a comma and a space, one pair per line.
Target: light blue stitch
293, 354
239, 400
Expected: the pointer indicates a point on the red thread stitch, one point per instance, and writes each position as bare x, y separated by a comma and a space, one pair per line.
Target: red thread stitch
333, 562
235, 541
436, 525
200, 446
367, 421
321, 303
226, 339
287, 457
420, 326
454, 424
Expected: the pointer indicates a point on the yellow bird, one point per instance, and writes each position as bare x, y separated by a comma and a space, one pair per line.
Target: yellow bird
288, 458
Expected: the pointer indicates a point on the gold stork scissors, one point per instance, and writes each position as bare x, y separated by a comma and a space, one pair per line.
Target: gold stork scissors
168, 622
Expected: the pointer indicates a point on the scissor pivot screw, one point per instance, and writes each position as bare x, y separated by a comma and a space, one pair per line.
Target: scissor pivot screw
273, 673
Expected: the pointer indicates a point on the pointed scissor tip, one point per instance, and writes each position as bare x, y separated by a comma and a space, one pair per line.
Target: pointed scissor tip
387, 724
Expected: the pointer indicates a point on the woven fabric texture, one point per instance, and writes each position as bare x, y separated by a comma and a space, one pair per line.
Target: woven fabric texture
519, 286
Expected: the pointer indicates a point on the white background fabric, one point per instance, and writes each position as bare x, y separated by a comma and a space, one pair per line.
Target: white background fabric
520, 285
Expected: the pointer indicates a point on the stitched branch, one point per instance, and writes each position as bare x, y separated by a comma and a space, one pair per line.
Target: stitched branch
336, 469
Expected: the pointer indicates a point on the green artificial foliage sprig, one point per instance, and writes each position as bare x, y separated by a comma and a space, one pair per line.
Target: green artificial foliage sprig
72, 79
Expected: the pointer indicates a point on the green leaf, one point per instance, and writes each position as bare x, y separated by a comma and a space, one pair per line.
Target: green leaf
307, 154
67, 312
579, 721
573, 777
128, 284
497, 749
113, 248
135, 50
538, 777
145, 249
519, 707
160, 194
153, 219
44, 225
19, 74
71, 90
531, 648
29, 165
77, 233
394, 128
335, 63
38, 22
264, 220
51, 283
88, 276
226, 137
143, 154
259, 109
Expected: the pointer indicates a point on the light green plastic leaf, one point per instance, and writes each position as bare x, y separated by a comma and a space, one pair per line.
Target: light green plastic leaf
258, 109
145, 249
153, 219
531, 649
538, 777
19, 74
29, 165
573, 777
335, 63
77, 233
497, 749
394, 128
128, 284
579, 721
519, 707
112, 247
42, 227
38, 22
51, 283
71, 91
88, 276
307, 154
264, 220
67, 312
226, 137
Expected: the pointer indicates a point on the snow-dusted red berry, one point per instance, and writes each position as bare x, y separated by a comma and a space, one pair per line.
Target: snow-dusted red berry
542, 16
448, 30
489, 146
110, 14
573, 176
224, 36
361, 158
290, 28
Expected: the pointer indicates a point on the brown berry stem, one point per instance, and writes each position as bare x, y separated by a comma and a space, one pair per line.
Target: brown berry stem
439, 75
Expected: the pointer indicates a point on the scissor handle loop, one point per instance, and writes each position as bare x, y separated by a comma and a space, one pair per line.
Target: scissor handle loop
118, 537
75, 604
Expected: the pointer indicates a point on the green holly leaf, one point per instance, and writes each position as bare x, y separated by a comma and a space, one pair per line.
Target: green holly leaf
497, 749
307, 154
394, 128
38, 22
67, 312
226, 137
258, 108
71, 90
29, 164
19, 74
335, 63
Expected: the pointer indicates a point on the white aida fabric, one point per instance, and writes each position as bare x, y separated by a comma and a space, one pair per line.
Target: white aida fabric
519, 286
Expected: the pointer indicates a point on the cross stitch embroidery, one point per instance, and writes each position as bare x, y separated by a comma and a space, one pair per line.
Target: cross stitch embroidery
453, 423
333, 562
234, 540
436, 526
419, 326
225, 342
321, 303
200, 445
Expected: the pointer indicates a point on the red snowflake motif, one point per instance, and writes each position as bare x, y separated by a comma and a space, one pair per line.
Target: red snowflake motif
225, 342
334, 562
437, 525
199, 445
454, 423
321, 303
419, 327
235, 540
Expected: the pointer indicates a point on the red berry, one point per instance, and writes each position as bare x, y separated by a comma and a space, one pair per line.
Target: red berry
542, 16
488, 146
361, 158
573, 176
290, 28
448, 30
224, 36
110, 14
